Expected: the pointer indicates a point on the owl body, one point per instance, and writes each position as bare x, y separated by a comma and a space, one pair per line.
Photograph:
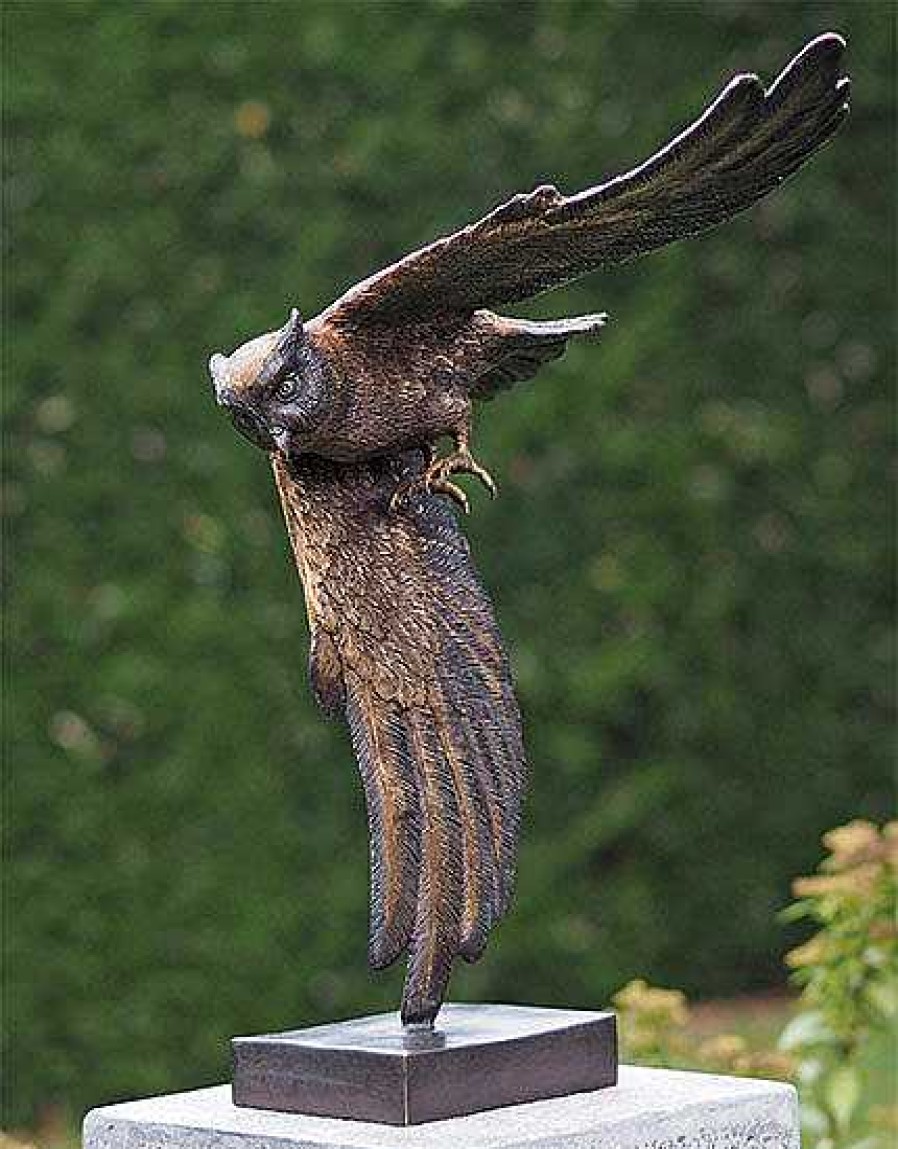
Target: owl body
396, 389
317, 389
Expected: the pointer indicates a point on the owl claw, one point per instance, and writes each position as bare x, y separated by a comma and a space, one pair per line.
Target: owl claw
453, 491
463, 462
436, 479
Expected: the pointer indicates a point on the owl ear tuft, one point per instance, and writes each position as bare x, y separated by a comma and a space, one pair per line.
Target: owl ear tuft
292, 333
284, 353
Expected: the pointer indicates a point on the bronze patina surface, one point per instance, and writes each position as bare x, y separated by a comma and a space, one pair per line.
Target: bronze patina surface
483, 1056
350, 406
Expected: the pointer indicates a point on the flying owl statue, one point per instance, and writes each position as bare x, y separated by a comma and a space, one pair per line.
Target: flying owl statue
350, 407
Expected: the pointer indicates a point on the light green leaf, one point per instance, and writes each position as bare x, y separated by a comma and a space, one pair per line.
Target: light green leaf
843, 1092
883, 996
814, 1123
807, 1028
810, 1070
795, 912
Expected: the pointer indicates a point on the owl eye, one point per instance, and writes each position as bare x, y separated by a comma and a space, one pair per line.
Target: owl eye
286, 389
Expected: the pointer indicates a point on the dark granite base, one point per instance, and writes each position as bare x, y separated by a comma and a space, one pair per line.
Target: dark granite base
478, 1057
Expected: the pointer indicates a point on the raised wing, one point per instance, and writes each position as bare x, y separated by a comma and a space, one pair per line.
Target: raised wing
405, 646
742, 147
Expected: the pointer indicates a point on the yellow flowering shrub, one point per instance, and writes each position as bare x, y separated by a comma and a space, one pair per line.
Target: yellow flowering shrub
652, 1021
848, 971
848, 974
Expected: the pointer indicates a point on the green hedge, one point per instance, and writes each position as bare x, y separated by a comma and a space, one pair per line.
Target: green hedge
689, 555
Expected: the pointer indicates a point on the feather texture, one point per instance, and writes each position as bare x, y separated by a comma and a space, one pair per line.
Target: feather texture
742, 147
405, 645
522, 346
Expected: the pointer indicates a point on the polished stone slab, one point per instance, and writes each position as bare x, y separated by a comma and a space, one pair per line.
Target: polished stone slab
478, 1057
647, 1109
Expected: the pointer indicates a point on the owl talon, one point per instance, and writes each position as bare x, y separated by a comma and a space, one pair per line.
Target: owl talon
465, 463
435, 479
453, 491
429, 484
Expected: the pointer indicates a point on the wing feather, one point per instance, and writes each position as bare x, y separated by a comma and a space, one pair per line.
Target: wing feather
380, 740
405, 645
436, 940
742, 147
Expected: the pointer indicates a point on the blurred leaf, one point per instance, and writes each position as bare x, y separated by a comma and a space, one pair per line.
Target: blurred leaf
882, 993
806, 1030
843, 1091
814, 1123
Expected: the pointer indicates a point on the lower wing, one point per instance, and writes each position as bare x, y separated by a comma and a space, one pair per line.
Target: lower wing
406, 648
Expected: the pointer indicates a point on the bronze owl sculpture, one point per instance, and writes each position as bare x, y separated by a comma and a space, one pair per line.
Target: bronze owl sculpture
350, 406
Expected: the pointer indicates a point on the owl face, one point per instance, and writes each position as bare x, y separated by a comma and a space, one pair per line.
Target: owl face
275, 388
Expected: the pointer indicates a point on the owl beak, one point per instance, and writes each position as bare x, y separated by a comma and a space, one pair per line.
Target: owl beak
217, 370
281, 438
250, 426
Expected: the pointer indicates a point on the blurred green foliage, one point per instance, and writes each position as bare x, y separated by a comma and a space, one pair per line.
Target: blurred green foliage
836, 1046
689, 555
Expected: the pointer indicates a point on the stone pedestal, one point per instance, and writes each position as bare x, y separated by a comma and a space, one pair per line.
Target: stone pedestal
648, 1109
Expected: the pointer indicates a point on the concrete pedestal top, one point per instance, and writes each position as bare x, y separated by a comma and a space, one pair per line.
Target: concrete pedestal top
648, 1109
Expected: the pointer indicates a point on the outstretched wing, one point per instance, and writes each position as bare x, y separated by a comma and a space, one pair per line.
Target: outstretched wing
742, 147
405, 646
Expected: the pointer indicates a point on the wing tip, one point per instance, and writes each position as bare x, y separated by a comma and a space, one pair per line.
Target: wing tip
474, 943
822, 55
741, 80
826, 41
382, 952
824, 50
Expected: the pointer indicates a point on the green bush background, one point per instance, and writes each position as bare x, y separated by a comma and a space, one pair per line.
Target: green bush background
689, 556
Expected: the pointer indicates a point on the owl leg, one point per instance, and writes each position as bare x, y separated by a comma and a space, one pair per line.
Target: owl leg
461, 462
436, 478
